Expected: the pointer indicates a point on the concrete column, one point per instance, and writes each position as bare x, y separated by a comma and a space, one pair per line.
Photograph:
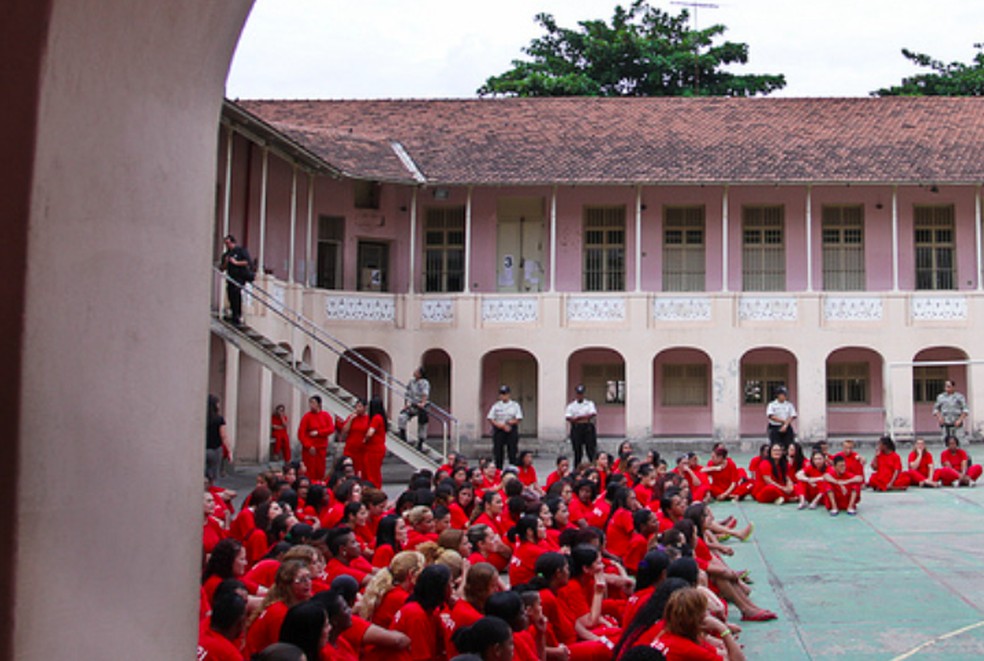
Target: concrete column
227, 187
895, 239
638, 396
638, 239
975, 399
264, 185
248, 419
309, 271
811, 397
468, 238
724, 241
553, 240
898, 401
809, 237
726, 397
230, 404
264, 411
103, 320
293, 225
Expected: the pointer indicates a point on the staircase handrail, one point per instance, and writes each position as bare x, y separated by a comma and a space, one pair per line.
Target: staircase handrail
311, 329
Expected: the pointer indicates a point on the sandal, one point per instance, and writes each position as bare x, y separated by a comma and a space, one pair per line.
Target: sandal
760, 616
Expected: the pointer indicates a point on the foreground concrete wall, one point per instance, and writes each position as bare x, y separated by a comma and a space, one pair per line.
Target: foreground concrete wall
111, 112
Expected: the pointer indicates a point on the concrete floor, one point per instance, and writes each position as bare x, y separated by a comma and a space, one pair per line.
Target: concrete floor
903, 579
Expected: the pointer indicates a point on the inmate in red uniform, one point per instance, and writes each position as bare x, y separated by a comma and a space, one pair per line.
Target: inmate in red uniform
952, 461
313, 433
280, 435
920, 466
885, 466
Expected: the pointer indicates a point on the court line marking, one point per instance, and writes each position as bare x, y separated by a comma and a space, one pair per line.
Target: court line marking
933, 641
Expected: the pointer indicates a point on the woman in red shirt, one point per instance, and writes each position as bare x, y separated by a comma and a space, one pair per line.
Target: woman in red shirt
353, 431
526, 473
420, 617
887, 468
529, 635
811, 484
682, 638
279, 432
292, 586
306, 625
955, 466
620, 528
529, 539
375, 442
921, 465
773, 483
463, 506
481, 582
421, 520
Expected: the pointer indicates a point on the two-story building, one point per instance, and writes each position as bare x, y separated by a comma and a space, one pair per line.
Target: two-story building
679, 257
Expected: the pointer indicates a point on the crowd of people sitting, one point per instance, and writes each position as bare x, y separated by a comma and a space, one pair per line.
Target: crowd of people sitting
619, 558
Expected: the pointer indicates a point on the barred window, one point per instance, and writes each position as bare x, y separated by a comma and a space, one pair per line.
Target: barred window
444, 249
763, 249
685, 385
927, 383
934, 242
760, 382
604, 382
683, 249
604, 249
848, 383
843, 248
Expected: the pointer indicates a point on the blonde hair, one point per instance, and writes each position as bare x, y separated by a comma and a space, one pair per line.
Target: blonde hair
303, 552
453, 561
417, 514
401, 566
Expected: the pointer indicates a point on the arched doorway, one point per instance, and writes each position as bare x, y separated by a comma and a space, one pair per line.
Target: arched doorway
602, 371
762, 371
516, 368
855, 392
933, 367
682, 393
362, 379
437, 363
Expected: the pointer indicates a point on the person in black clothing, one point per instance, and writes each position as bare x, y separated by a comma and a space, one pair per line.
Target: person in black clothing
215, 438
236, 262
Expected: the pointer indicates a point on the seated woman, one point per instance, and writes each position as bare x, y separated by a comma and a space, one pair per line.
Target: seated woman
528, 625
306, 626
422, 527
725, 480
729, 583
683, 636
420, 616
292, 586
955, 466
773, 484
845, 488
811, 484
921, 466
481, 582
886, 466
529, 539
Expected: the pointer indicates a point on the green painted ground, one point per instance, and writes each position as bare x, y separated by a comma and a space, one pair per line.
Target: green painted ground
906, 571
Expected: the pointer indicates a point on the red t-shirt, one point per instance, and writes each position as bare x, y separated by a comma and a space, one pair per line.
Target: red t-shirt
424, 630
355, 633
391, 602
953, 458
526, 475
925, 463
383, 555
634, 603
678, 648
213, 646
459, 518
358, 568
524, 646
462, 615
521, 565
265, 630
620, 530
320, 422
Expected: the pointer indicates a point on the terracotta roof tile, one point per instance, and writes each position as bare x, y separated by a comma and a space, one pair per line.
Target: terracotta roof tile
589, 140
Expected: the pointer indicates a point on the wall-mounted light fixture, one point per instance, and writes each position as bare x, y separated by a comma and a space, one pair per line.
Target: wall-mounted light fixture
441, 193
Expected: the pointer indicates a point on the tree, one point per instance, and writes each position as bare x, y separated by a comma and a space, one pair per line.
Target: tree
644, 52
954, 79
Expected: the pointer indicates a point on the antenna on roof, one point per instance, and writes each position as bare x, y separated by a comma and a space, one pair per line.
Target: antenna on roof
695, 6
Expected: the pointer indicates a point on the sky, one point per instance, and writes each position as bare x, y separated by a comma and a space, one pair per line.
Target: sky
341, 49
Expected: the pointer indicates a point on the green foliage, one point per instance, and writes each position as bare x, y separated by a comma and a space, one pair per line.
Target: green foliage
643, 52
953, 79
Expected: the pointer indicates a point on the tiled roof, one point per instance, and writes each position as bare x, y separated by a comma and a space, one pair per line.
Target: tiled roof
655, 140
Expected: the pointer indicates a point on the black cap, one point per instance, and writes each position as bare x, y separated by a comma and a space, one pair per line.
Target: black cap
781, 390
503, 389
579, 388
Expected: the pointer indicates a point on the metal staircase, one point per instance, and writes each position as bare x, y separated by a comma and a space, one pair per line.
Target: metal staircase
336, 400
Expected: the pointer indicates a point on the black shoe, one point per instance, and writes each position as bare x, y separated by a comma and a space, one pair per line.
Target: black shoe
420, 444
402, 434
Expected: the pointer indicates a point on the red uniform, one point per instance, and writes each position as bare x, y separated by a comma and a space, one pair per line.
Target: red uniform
719, 481
462, 615
375, 451
810, 491
459, 517
313, 433
885, 465
921, 471
854, 465
281, 437
842, 499
213, 646
526, 475
358, 569
764, 492
523, 558
355, 442
620, 530
951, 463
678, 648
265, 630
425, 632
635, 602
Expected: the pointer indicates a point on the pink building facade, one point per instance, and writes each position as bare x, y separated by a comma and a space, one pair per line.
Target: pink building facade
681, 261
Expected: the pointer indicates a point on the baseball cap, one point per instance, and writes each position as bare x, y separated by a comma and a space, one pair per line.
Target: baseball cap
579, 388
503, 389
